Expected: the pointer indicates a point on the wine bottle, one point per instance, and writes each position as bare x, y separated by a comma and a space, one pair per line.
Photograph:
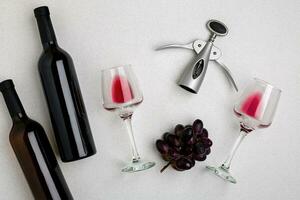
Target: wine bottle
61, 88
33, 150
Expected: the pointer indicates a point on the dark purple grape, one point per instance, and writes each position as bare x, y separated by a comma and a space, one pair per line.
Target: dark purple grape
178, 130
192, 162
162, 146
199, 157
199, 149
204, 133
191, 141
206, 142
188, 126
197, 127
173, 140
166, 157
173, 164
187, 150
197, 135
177, 149
165, 135
207, 151
187, 135
183, 164
173, 154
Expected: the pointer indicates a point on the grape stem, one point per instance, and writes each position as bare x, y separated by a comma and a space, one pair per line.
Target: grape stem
170, 162
166, 166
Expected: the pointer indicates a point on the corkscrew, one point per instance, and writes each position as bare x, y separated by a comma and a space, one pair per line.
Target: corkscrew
193, 76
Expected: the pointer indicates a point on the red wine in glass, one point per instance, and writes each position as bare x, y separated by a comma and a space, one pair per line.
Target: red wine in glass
122, 95
251, 107
121, 91
251, 104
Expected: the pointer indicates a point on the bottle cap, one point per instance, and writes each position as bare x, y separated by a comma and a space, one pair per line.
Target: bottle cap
7, 84
41, 11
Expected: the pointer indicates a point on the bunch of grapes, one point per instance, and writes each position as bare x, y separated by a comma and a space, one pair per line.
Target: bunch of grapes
188, 144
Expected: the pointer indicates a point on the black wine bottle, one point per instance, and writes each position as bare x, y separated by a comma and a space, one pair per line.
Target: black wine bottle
61, 88
33, 150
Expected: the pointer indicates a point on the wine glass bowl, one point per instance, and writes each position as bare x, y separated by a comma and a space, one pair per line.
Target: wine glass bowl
255, 108
120, 93
257, 104
120, 88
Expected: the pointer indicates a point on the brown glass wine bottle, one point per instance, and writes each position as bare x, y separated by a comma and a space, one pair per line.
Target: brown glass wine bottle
33, 150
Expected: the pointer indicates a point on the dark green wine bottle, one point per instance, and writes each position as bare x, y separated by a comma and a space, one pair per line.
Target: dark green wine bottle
61, 88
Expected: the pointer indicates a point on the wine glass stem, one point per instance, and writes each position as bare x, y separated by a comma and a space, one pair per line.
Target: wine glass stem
227, 163
135, 154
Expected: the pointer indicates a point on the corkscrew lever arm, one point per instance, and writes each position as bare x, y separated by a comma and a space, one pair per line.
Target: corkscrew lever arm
227, 73
184, 46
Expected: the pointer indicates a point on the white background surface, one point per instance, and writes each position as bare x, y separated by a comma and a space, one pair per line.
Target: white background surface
263, 41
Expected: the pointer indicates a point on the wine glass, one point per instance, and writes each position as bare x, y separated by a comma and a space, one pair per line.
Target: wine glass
255, 108
121, 93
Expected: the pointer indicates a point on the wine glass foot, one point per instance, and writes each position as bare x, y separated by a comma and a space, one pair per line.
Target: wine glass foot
222, 172
138, 166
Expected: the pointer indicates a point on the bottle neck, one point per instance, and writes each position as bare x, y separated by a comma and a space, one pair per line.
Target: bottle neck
12, 101
46, 30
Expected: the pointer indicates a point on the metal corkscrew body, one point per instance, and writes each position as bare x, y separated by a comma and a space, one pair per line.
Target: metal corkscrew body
194, 74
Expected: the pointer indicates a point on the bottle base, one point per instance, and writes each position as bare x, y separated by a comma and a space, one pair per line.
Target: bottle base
77, 158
